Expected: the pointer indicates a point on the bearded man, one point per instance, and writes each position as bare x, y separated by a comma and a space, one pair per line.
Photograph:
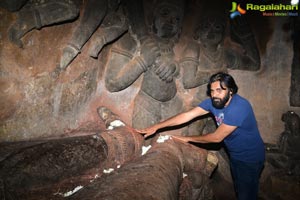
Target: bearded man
237, 126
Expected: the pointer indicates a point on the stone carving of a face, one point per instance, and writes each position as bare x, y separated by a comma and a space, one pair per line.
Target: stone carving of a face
113, 4
210, 31
167, 20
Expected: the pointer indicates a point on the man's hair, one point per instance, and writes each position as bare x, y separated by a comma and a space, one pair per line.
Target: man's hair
225, 79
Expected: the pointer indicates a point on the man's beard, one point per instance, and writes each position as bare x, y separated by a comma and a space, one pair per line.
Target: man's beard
220, 103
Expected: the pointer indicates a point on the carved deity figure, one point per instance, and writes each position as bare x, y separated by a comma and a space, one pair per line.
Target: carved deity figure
104, 15
151, 55
35, 14
207, 53
286, 153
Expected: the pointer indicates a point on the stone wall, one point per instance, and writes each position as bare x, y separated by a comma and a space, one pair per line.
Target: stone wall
36, 103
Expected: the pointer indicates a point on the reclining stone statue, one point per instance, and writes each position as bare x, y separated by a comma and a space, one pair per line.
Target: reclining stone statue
84, 166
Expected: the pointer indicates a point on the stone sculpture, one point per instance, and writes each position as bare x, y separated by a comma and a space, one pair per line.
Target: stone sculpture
35, 14
158, 175
149, 54
106, 14
82, 167
285, 154
207, 53
48, 168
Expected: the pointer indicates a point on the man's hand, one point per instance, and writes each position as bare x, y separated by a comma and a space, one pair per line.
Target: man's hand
181, 138
147, 131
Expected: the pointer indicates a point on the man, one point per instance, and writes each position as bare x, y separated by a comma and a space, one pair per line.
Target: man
236, 126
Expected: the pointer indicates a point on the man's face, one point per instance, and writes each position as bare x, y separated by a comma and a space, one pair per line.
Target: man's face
167, 22
220, 96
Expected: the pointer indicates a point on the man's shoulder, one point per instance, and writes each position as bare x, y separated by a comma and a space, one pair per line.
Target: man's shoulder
239, 98
241, 102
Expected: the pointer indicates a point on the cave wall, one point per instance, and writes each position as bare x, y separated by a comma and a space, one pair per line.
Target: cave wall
268, 89
36, 103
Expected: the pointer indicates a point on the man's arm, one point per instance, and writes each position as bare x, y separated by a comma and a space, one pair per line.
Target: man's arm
221, 132
173, 121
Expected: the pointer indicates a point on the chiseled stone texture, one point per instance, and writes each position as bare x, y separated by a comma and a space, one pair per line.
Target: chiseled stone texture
36, 104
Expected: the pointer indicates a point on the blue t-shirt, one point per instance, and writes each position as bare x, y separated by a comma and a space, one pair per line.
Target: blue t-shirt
244, 143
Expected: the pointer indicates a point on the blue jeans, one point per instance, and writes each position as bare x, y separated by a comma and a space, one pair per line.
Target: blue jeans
246, 178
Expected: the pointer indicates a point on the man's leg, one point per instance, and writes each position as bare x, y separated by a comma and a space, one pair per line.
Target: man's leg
246, 179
